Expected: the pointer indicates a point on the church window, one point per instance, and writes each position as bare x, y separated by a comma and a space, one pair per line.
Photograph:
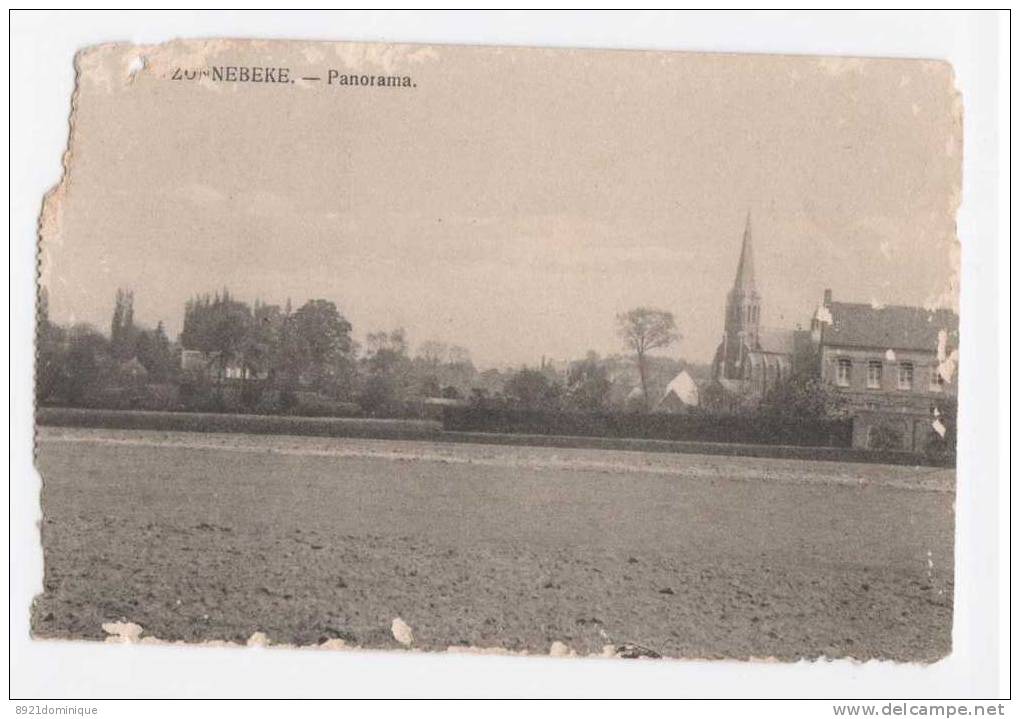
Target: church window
906, 376
874, 374
843, 372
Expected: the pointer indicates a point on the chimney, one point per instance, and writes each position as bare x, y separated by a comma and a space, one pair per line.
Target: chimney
828, 297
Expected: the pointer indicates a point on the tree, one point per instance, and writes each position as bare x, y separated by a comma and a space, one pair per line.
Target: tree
123, 332
87, 361
885, 436
532, 389
49, 364
645, 329
261, 344
458, 355
320, 342
451, 392
803, 394
394, 342
430, 386
219, 325
588, 384
802, 397
433, 353
154, 351
389, 377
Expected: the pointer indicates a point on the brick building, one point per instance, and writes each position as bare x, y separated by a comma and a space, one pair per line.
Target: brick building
894, 364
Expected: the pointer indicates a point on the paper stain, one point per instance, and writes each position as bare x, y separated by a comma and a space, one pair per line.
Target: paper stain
402, 632
134, 66
122, 632
947, 360
559, 649
258, 639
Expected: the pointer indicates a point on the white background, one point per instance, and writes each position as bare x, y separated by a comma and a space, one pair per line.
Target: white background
42, 48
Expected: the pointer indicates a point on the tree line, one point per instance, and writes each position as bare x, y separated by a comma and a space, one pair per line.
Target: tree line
231, 355
267, 358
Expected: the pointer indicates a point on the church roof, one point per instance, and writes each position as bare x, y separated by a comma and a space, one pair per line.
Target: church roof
891, 327
745, 268
777, 341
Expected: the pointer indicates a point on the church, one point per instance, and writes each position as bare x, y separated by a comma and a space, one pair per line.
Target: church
750, 358
894, 365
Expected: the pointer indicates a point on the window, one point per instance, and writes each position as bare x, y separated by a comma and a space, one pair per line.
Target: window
874, 374
936, 380
906, 376
843, 372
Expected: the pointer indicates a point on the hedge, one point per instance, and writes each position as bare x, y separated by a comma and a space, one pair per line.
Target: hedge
238, 423
433, 431
724, 449
673, 427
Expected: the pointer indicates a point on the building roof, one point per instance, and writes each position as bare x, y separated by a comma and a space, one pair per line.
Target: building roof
635, 393
891, 327
776, 341
133, 364
683, 388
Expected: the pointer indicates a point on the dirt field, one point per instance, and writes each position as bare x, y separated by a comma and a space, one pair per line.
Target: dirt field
197, 537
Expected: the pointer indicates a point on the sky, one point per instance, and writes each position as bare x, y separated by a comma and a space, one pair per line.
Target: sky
515, 200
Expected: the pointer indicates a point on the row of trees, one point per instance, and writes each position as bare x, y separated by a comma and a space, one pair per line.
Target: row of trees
73, 362
279, 352
311, 349
310, 346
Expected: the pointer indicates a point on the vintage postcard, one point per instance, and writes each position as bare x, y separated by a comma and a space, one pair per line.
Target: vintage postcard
502, 350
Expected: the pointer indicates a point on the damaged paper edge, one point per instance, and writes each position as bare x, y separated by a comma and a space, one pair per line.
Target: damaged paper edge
124, 632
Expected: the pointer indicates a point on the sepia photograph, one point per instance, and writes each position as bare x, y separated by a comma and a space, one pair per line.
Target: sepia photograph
626, 355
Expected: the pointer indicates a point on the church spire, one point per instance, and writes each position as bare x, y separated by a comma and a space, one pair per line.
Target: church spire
745, 269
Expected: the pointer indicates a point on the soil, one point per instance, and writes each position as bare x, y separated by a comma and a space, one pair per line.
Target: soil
200, 537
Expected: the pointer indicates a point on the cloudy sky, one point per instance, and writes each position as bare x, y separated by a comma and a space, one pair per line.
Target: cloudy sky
514, 201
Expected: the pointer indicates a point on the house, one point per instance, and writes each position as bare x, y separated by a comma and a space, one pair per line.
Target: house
132, 371
635, 400
210, 366
433, 407
894, 365
680, 396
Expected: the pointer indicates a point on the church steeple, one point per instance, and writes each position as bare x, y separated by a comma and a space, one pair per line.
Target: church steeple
745, 268
743, 310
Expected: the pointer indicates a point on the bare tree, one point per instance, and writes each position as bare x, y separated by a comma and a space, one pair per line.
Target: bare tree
459, 355
433, 352
644, 329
